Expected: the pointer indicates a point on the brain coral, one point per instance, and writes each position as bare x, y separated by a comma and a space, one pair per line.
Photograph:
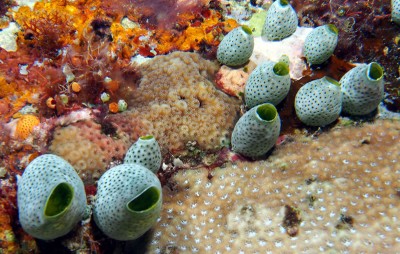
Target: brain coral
88, 148
336, 193
177, 98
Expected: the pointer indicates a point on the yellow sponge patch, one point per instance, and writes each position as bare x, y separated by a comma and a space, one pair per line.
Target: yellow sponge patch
25, 125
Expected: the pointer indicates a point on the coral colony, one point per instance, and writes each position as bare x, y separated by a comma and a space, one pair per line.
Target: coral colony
199, 126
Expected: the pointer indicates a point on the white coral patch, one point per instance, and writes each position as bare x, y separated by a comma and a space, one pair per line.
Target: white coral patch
291, 46
8, 37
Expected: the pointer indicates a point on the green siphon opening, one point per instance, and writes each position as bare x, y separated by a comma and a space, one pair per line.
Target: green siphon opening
284, 2
333, 28
267, 112
281, 69
148, 137
375, 71
285, 59
247, 30
59, 200
145, 201
332, 81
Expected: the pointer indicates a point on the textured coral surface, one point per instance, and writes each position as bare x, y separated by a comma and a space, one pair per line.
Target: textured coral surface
344, 184
88, 148
176, 96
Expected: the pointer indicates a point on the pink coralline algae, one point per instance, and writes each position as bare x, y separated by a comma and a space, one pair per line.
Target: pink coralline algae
89, 147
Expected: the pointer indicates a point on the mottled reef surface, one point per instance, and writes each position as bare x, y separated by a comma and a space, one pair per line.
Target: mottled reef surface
65, 65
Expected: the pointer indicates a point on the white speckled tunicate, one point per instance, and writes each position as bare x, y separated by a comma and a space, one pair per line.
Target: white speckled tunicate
268, 83
51, 197
320, 44
396, 11
319, 102
362, 88
236, 47
280, 22
146, 152
128, 201
257, 131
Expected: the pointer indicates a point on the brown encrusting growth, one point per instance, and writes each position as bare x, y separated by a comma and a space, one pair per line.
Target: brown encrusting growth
11, 240
291, 220
345, 222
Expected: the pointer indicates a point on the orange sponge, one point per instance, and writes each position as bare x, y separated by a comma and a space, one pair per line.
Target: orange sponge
25, 125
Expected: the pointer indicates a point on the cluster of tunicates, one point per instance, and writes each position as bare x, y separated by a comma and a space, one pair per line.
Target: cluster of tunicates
317, 103
52, 198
